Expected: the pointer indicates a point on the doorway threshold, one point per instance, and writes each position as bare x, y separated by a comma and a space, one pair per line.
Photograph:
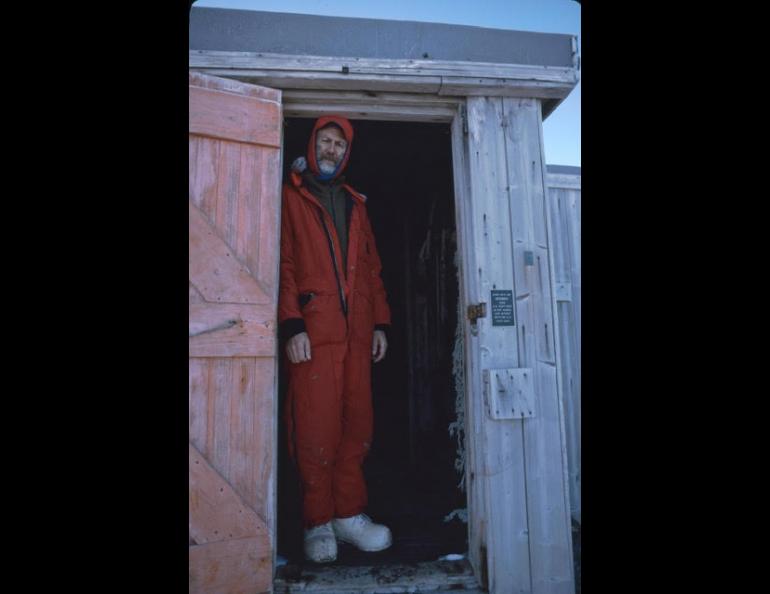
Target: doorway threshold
428, 576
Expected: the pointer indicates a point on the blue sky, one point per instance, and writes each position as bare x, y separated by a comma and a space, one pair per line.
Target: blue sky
562, 128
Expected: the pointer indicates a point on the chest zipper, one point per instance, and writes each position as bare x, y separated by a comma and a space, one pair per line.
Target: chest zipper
343, 302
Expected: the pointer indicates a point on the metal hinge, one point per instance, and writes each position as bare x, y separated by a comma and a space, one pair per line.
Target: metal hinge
464, 117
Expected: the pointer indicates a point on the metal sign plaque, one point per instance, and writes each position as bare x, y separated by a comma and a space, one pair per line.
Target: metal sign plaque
502, 308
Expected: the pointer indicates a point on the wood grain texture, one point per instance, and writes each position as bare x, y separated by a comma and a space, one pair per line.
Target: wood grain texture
233, 232
236, 187
198, 79
232, 423
527, 537
231, 330
214, 270
359, 65
217, 512
380, 106
241, 566
564, 220
459, 78
551, 563
474, 410
242, 119
332, 81
502, 470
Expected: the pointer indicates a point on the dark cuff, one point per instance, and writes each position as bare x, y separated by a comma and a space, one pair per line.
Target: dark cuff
383, 327
291, 327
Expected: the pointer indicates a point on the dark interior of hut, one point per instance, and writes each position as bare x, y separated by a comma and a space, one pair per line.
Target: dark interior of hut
405, 170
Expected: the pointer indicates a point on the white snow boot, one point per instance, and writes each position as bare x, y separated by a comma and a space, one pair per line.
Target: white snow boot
363, 533
320, 544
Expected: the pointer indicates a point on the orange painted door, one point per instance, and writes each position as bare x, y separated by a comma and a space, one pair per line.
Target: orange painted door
235, 161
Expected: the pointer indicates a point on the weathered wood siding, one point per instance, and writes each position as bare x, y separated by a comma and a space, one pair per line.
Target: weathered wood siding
234, 202
517, 472
564, 240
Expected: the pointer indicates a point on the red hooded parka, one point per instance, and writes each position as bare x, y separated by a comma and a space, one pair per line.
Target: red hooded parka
328, 406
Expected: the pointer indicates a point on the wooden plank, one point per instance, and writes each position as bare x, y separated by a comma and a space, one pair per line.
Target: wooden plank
219, 428
564, 235
228, 193
295, 96
507, 539
227, 187
252, 431
241, 566
203, 173
359, 65
234, 222
371, 105
563, 180
557, 236
332, 81
236, 430
247, 237
549, 521
495, 87
570, 382
525, 175
398, 83
269, 223
244, 119
469, 293
460, 78
216, 511
543, 435
229, 85
230, 330
214, 271
372, 112
571, 368
198, 401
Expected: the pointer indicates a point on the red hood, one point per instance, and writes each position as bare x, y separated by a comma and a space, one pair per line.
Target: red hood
347, 130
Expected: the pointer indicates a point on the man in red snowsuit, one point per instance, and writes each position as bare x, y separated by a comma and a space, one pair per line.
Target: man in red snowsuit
333, 313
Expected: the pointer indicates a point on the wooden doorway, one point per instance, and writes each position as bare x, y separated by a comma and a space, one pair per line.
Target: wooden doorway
413, 470
518, 531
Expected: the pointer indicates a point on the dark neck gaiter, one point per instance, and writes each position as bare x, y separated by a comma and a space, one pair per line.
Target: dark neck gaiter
333, 197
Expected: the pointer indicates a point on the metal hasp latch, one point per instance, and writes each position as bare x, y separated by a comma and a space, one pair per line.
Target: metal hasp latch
509, 393
478, 310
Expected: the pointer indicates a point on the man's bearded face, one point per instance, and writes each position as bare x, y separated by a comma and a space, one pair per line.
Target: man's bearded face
330, 147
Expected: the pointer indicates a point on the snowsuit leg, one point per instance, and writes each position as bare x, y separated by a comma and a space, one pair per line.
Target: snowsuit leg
314, 414
349, 486
330, 423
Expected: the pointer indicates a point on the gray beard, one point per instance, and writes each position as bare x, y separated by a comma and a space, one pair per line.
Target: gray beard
326, 167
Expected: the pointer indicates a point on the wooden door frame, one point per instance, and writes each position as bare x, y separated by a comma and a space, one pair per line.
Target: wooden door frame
401, 90
421, 108
431, 109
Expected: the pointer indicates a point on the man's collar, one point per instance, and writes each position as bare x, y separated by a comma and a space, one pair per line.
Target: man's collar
311, 180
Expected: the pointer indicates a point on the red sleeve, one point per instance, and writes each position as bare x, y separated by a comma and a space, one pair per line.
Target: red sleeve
288, 295
379, 296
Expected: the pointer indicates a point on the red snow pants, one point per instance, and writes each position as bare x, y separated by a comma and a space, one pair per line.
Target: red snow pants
329, 420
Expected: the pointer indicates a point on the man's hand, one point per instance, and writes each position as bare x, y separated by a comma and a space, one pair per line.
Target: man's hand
379, 345
298, 348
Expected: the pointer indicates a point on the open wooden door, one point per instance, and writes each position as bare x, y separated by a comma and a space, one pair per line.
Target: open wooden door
520, 532
235, 162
